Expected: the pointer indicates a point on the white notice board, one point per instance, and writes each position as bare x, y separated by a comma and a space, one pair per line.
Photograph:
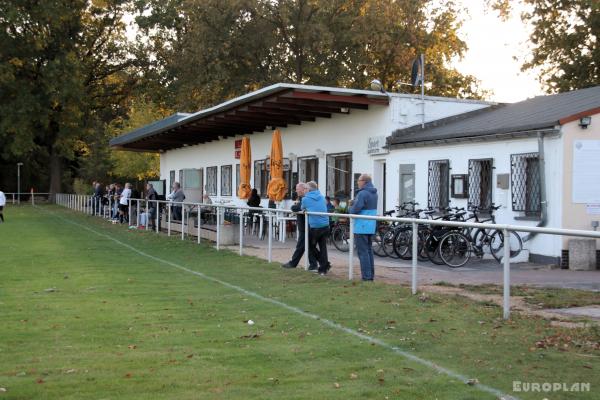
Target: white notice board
586, 171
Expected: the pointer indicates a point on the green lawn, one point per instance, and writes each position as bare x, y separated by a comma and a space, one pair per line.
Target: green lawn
84, 317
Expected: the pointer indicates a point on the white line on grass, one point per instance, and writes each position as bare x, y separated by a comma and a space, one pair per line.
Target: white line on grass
296, 310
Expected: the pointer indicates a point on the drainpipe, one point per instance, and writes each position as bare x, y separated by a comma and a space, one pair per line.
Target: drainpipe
543, 199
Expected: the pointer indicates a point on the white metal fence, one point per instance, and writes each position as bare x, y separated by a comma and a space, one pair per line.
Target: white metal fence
139, 207
28, 197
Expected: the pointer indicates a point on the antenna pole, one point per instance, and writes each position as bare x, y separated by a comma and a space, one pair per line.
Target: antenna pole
422, 90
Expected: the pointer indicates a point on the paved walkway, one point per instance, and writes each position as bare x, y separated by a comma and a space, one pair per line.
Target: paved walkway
399, 271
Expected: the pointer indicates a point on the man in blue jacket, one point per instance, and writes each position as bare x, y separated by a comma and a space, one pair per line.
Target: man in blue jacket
365, 203
314, 201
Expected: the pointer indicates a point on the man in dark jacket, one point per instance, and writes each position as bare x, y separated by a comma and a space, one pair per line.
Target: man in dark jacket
318, 224
151, 196
365, 203
296, 207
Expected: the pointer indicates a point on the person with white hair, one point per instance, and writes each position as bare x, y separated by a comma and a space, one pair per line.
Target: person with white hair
365, 203
318, 224
124, 203
301, 189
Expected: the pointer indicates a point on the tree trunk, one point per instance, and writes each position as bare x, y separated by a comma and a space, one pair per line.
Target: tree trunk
55, 174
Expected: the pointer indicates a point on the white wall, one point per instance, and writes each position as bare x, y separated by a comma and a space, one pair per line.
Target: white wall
340, 133
500, 151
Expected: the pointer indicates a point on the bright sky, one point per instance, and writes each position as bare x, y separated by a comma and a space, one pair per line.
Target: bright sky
493, 45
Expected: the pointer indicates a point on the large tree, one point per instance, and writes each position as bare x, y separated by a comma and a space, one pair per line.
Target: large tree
565, 43
203, 51
64, 74
563, 40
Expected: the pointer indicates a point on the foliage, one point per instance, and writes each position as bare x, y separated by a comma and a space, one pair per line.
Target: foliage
565, 43
228, 48
64, 73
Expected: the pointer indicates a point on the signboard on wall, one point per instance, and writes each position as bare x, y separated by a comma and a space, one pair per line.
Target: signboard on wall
586, 171
376, 145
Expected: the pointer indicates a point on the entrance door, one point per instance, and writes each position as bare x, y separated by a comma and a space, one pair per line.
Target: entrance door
407, 183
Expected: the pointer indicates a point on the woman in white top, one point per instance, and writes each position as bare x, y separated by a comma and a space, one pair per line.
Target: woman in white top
124, 203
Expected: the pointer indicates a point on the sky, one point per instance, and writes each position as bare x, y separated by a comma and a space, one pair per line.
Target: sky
493, 44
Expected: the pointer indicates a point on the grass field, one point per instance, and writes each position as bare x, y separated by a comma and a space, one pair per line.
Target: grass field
84, 317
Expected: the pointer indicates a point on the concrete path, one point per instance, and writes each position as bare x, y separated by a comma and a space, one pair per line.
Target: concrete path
475, 272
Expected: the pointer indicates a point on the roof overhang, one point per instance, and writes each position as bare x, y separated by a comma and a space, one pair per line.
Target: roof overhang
477, 138
278, 105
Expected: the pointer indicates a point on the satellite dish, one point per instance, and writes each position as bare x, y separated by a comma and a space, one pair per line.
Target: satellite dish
417, 72
377, 85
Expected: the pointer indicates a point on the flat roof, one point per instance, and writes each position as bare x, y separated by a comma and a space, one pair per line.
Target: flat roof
277, 105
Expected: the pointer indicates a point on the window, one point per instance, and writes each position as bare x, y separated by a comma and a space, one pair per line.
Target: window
237, 178
308, 169
180, 177
480, 183
407, 183
525, 182
171, 180
211, 181
339, 175
261, 177
438, 183
226, 180
192, 179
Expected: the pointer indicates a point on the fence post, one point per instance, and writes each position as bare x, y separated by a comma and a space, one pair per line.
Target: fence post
168, 219
137, 213
32, 197
270, 254
182, 221
218, 228
306, 247
415, 255
148, 217
198, 223
157, 216
351, 249
241, 212
506, 261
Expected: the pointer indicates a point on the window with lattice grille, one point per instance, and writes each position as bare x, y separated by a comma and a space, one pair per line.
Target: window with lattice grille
438, 183
480, 183
525, 182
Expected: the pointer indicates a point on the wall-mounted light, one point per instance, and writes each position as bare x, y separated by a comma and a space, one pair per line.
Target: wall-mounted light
320, 153
293, 157
584, 122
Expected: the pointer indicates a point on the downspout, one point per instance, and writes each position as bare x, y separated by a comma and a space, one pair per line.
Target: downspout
543, 200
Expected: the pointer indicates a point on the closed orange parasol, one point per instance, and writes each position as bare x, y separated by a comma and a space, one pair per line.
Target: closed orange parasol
277, 187
245, 169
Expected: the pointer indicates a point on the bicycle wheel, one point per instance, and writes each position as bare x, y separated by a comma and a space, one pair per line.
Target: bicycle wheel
454, 249
340, 238
378, 244
403, 244
388, 242
496, 244
431, 249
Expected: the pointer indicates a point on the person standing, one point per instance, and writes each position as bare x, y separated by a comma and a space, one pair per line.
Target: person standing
151, 197
318, 224
301, 189
2, 204
177, 196
124, 203
365, 203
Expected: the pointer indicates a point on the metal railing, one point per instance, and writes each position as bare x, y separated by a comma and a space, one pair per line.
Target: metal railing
86, 204
15, 197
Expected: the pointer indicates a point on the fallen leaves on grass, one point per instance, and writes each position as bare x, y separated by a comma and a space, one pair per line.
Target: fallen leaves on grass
353, 376
250, 336
472, 381
336, 385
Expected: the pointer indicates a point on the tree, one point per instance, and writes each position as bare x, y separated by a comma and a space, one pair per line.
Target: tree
209, 50
565, 43
64, 74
